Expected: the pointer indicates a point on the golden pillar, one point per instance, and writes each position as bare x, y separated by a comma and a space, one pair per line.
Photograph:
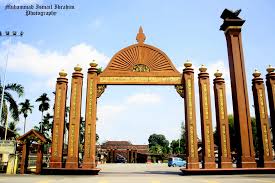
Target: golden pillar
206, 120
75, 115
90, 126
190, 117
232, 27
263, 132
222, 122
270, 85
59, 121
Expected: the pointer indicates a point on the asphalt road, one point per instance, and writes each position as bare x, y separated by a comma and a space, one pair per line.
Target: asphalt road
138, 173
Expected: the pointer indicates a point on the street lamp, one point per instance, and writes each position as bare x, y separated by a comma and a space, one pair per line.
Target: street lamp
8, 34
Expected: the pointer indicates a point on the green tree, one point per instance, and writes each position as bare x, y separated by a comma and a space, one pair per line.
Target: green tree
12, 127
156, 149
233, 134
177, 148
44, 104
157, 141
26, 109
10, 101
46, 125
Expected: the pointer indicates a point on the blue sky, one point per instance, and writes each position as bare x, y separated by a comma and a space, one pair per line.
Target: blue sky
98, 29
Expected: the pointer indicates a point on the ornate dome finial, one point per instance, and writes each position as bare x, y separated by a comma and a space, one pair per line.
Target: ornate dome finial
140, 36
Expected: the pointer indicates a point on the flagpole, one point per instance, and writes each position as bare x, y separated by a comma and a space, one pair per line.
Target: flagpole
7, 34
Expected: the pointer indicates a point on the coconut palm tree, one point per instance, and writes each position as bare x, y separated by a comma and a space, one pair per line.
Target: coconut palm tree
12, 127
9, 103
44, 105
26, 108
46, 125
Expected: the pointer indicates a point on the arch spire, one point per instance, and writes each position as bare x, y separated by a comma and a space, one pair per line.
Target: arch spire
140, 36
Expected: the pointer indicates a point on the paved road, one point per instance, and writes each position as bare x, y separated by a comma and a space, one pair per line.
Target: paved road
138, 173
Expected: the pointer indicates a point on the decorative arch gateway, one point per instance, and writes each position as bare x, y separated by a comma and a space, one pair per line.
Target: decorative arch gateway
142, 64
138, 64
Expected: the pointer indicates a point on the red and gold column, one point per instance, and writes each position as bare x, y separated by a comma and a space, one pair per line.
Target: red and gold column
90, 126
270, 85
232, 27
206, 120
222, 122
24, 157
190, 117
264, 138
59, 121
39, 159
75, 115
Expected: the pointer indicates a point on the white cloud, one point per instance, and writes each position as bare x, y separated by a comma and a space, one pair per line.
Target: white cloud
107, 112
25, 58
143, 98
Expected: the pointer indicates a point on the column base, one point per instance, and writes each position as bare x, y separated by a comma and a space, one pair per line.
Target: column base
225, 165
71, 164
192, 165
247, 163
88, 165
55, 164
209, 165
269, 164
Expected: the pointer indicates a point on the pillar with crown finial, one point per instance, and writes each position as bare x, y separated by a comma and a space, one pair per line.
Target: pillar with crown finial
270, 85
206, 120
232, 29
263, 132
190, 117
59, 121
74, 118
224, 155
90, 118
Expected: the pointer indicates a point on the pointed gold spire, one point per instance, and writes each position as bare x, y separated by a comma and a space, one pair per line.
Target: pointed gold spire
140, 36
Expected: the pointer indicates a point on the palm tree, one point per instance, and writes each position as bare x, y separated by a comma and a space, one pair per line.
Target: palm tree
26, 108
46, 125
44, 104
9, 99
12, 127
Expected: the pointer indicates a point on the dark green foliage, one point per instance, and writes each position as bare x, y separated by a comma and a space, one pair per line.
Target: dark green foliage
158, 144
9, 99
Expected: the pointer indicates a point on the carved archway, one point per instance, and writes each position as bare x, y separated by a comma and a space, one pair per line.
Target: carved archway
140, 64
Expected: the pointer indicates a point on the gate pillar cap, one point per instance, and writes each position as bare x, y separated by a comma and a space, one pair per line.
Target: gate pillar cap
93, 64
188, 63
62, 73
202, 68
77, 68
218, 74
270, 69
256, 73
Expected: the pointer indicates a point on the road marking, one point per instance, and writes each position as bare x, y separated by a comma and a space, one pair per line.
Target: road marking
210, 181
43, 181
103, 181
